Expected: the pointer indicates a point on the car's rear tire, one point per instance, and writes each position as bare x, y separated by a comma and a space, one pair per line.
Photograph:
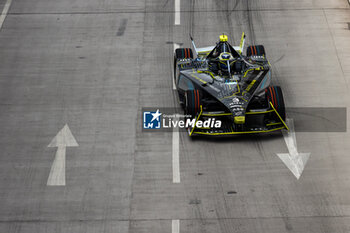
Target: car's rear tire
183, 53
256, 50
192, 102
274, 95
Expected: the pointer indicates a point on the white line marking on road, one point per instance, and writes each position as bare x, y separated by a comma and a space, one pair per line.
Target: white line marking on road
294, 160
177, 12
4, 12
176, 46
175, 155
175, 226
63, 139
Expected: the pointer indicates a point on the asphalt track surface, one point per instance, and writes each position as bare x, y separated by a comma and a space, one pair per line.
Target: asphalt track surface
94, 64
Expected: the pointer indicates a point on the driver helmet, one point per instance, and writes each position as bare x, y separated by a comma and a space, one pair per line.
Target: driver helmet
224, 59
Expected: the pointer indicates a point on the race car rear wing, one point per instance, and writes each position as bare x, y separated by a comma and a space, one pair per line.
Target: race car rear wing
206, 50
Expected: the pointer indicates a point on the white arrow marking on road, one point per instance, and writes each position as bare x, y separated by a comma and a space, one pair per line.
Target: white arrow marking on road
63, 139
294, 160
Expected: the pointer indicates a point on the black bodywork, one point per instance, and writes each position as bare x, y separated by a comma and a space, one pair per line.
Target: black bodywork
236, 97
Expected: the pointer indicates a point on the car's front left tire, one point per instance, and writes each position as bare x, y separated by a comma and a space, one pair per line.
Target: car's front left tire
193, 102
183, 53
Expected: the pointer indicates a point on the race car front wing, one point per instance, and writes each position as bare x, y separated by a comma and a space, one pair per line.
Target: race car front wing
256, 122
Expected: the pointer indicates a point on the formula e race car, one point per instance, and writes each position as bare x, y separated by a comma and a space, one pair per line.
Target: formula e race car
223, 85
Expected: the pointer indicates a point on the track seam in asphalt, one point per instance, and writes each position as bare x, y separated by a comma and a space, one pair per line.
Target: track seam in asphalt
162, 12
335, 49
167, 219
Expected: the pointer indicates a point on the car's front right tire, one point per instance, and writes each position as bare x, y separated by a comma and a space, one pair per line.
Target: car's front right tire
256, 50
274, 95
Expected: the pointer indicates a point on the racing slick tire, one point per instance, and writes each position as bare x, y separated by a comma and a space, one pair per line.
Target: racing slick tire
183, 53
274, 95
192, 102
256, 50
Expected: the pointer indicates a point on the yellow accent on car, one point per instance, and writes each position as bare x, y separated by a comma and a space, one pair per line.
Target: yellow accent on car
241, 44
217, 114
259, 112
240, 132
250, 85
199, 79
199, 115
207, 72
277, 123
285, 125
239, 119
223, 38
246, 72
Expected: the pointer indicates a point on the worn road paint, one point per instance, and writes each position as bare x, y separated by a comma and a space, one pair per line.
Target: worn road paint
176, 155
4, 12
175, 226
177, 12
294, 160
63, 139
